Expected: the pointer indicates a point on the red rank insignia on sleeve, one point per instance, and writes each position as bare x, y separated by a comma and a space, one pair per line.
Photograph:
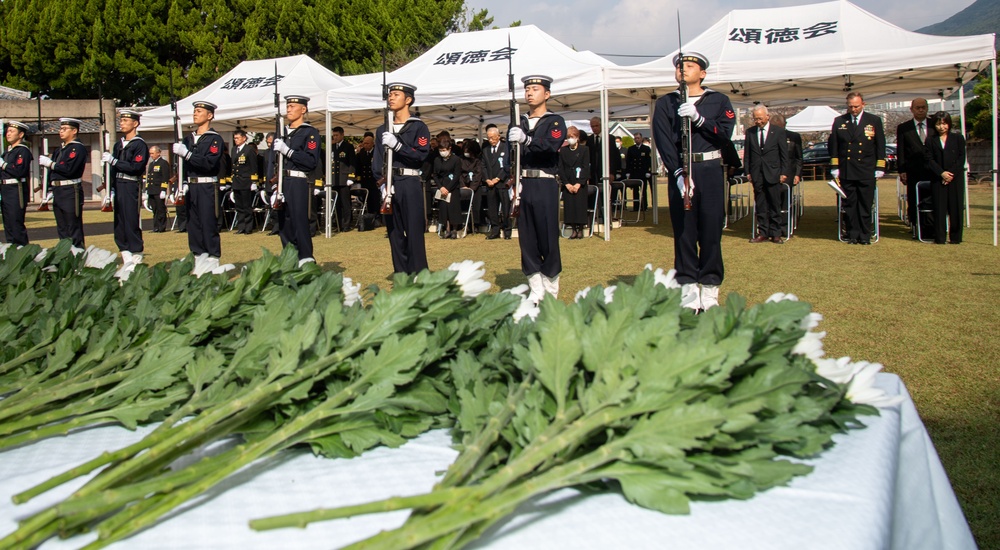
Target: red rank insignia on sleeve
730, 114
214, 149
422, 141
556, 133
311, 145
20, 160
138, 158
72, 154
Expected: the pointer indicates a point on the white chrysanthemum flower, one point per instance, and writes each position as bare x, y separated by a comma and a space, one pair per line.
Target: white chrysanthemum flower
665, 279
519, 290
352, 292
811, 321
470, 278
528, 309
781, 296
810, 345
582, 294
609, 293
862, 387
835, 370
98, 258
3, 249
40, 257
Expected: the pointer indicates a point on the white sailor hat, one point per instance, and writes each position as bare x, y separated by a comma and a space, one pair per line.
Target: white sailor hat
693, 57
66, 121
134, 115
19, 125
408, 89
300, 99
539, 79
208, 106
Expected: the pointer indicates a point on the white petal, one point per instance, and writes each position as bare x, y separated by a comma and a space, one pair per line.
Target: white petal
609, 293
582, 294
469, 278
352, 292
781, 296
666, 279
526, 309
519, 290
810, 345
3, 249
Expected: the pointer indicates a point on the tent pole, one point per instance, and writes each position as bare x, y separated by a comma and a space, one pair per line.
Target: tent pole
654, 202
605, 160
329, 177
961, 117
993, 70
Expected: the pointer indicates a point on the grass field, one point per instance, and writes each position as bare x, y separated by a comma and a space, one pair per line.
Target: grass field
927, 312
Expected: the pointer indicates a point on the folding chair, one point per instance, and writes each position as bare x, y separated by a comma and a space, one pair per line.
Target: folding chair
840, 218
925, 208
633, 185
359, 202
901, 200
465, 195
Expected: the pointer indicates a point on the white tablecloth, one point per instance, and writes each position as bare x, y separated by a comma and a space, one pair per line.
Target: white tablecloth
880, 487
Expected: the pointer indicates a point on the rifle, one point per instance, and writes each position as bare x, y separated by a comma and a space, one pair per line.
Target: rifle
685, 125
44, 185
179, 130
107, 205
278, 199
386, 208
515, 164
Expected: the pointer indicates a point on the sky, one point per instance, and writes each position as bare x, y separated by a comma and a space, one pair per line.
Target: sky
649, 28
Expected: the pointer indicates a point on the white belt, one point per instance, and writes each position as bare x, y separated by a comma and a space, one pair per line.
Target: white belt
127, 177
536, 174
702, 157
406, 171
65, 182
203, 180
295, 174
13, 181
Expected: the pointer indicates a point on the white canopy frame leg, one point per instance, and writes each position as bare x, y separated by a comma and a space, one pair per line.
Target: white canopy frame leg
654, 201
993, 71
605, 165
328, 181
961, 117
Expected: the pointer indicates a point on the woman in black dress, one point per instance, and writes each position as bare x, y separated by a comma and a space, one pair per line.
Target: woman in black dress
947, 164
574, 171
472, 177
447, 175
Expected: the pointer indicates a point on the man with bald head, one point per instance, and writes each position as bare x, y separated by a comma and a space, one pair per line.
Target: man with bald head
911, 156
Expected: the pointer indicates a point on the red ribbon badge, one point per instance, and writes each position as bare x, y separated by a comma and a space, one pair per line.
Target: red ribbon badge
556, 133
730, 114
422, 141
311, 145
214, 149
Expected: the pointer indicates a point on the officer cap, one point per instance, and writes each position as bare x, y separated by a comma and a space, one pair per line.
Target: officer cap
15, 124
66, 121
300, 99
542, 80
693, 57
131, 114
408, 89
210, 107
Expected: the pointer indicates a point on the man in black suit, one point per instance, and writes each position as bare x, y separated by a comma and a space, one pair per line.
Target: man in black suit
794, 173
597, 162
639, 166
342, 165
496, 171
765, 155
912, 156
857, 151
245, 178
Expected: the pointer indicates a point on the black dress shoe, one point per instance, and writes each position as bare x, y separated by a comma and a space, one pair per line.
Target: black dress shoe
272, 232
492, 237
506, 237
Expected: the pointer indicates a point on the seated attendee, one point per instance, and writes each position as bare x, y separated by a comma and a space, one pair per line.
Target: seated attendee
947, 167
574, 171
472, 177
446, 173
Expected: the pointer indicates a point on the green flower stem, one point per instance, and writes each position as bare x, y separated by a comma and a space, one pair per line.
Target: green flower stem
62, 428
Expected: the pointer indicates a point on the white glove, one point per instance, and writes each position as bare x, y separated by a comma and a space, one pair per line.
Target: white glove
281, 147
835, 173
253, 187
181, 150
680, 184
184, 189
45, 161
516, 134
145, 202
389, 139
106, 158
647, 175
879, 174
163, 195
317, 191
350, 182
689, 110
263, 196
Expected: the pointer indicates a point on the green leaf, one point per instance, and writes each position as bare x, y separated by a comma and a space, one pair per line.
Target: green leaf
553, 354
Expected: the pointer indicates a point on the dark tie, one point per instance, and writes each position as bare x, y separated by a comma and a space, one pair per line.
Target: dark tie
763, 136
854, 120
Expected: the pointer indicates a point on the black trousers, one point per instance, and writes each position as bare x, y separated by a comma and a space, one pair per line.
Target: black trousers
67, 205
948, 204
698, 232
538, 227
295, 228
406, 225
13, 203
203, 219
858, 208
478, 198
159, 207
498, 209
181, 210
244, 209
767, 203
343, 206
128, 231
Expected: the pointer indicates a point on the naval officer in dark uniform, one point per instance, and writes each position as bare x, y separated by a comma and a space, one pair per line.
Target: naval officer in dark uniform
244, 181
15, 168
128, 160
157, 187
301, 152
65, 172
410, 142
541, 133
857, 152
201, 153
698, 231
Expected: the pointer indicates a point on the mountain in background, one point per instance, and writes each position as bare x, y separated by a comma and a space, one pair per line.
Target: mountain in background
982, 17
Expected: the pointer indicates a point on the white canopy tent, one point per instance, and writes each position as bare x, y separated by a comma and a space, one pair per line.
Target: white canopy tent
814, 118
814, 54
245, 95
